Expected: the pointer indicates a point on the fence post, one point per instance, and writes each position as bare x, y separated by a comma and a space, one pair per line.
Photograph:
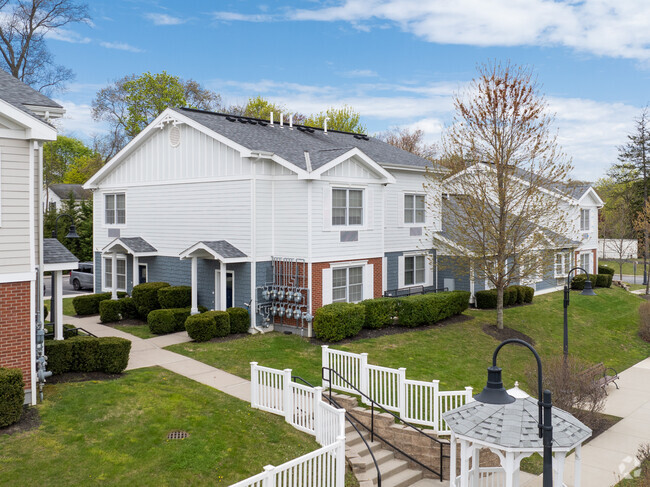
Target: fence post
318, 414
269, 479
254, 386
340, 461
341, 423
287, 389
325, 362
401, 392
436, 405
468, 394
364, 377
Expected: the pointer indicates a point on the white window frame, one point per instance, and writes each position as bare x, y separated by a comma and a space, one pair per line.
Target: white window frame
114, 194
347, 223
565, 260
585, 219
414, 209
109, 258
217, 290
587, 267
146, 272
347, 283
415, 282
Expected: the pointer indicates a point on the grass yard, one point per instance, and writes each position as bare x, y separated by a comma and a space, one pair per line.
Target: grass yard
601, 328
68, 309
628, 267
141, 331
114, 433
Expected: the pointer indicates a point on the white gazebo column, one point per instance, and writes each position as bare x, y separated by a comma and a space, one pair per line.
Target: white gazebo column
195, 291
136, 271
475, 464
452, 461
222, 286
577, 466
558, 466
57, 317
464, 463
114, 277
509, 467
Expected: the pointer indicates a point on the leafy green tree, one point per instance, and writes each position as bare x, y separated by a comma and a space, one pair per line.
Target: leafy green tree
60, 157
82, 215
345, 119
134, 101
260, 107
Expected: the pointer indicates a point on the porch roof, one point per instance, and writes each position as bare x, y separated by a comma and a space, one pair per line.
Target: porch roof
215, 249
56, 257
136, 246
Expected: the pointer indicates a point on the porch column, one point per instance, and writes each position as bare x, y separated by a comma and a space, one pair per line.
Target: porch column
136, 271
577, 467
464, 463
195, 291
222, 286
57, 312
509, 468
452, 460
114, 274
558, 466
475, 464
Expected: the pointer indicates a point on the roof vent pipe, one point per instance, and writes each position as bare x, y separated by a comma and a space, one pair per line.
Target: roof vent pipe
271, 119
291, 121
325, 124
281, 119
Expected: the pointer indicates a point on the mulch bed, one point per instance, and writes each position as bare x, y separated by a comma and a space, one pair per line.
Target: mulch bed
29, 420
81, 377
506, 333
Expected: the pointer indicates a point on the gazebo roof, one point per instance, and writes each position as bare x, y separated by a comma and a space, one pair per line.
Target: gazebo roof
56, 257
514, 426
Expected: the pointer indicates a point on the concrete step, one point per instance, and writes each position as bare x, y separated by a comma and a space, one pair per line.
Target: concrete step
430, 483
402, 479
382, 456
388, 470
360, 447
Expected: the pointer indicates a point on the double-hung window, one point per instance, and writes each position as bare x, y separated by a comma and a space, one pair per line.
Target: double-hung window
121, 273
347, 285
413, 208
347, 207
561, 263
414, 270
584, 220
115, 209
585, 262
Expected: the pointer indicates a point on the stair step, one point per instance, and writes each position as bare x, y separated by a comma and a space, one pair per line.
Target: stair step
389, 469
402, 479
360, 447
382, 456
430, 483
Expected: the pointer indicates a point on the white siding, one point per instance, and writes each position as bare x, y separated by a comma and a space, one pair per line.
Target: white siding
351, 169
289, 218
14, 206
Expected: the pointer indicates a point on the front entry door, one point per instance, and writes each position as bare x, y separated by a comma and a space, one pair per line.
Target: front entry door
230, 289
142, 273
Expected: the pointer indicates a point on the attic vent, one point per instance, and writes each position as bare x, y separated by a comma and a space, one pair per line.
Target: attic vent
174, 136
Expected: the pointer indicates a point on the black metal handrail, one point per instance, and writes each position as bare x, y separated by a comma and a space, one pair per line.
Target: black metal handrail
349, 417
71, 332
413, 291
374, 403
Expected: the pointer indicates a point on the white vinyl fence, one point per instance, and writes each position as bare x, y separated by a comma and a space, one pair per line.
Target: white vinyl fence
417, 402
303, 407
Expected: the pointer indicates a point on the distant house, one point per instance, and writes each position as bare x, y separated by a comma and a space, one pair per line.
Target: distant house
56, 194
24, 127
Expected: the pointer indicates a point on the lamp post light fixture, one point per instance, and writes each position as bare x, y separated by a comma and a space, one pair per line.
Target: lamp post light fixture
495, 393
587, 291
72, 233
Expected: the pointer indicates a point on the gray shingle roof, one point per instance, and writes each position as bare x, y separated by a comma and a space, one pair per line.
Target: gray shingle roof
224, 248
54, 252
514, 425
138, 244
63, 191
291, 144
19, 94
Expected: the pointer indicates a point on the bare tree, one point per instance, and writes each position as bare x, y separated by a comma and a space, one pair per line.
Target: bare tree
410, 141
618, 229
505, 193
23, 27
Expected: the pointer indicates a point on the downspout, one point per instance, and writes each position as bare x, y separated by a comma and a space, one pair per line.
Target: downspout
253, 199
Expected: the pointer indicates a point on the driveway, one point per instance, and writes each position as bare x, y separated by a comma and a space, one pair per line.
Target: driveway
68, 290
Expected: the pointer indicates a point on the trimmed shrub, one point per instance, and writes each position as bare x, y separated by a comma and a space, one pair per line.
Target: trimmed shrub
603, 269
12, 396
239, 320
128, 310
145, 297
59, 355
110, 311
520, 293
201, 327
113, 354
603, 280
175, 297
578, 282
427, 309
336, 321
458, 301
162, 321
510, 296
380, 312
85, 354
528, 294
486, 299
644, 321
89, 304
222, 322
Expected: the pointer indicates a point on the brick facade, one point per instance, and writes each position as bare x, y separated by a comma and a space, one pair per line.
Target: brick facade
317, 279
15, 323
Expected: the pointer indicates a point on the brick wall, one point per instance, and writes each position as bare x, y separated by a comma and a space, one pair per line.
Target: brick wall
317, 279
15, 325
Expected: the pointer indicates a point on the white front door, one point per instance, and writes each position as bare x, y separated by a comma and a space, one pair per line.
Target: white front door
230, 289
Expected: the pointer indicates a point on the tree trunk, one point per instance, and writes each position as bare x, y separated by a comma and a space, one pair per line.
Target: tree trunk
620, 270
500, 308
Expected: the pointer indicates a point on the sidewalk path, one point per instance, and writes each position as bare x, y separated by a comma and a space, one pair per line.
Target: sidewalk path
610, 457
150, 352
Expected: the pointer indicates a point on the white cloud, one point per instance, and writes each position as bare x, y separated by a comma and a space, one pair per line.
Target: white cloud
600, 27
67, 35
360, 73
121, 46
78, 120
164, 19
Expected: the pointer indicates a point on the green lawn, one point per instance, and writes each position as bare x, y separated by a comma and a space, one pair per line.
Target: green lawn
141, 331
68, 309
114, 433
628, 267
602, 328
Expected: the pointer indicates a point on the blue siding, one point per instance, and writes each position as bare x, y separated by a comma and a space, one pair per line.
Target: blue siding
453, 268
392, 270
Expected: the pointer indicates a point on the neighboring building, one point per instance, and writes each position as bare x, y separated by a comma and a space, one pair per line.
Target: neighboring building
24, 113
56, 194
618, 248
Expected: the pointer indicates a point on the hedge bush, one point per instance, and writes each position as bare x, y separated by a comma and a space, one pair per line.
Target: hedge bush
201, 327
239, 320
379, 312
145, 297
598, 280
12, 396
89, 304
110, 311
604, 280
162, 321
424, 309
603, 269
529, 294
87, 354
336, 321
175, 297
457, 302
129, 311
486, 299
511, 295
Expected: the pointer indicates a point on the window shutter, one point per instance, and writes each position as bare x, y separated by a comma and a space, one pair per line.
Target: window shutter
400, 271
368, 281
327, 286
327, 208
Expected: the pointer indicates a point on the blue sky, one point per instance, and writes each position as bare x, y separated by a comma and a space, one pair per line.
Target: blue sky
398, 62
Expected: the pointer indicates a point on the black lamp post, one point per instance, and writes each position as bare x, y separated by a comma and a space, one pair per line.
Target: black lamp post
72, 233
495, 393
587, 291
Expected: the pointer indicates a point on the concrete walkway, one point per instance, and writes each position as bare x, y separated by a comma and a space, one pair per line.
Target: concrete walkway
150, 352
610, 457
